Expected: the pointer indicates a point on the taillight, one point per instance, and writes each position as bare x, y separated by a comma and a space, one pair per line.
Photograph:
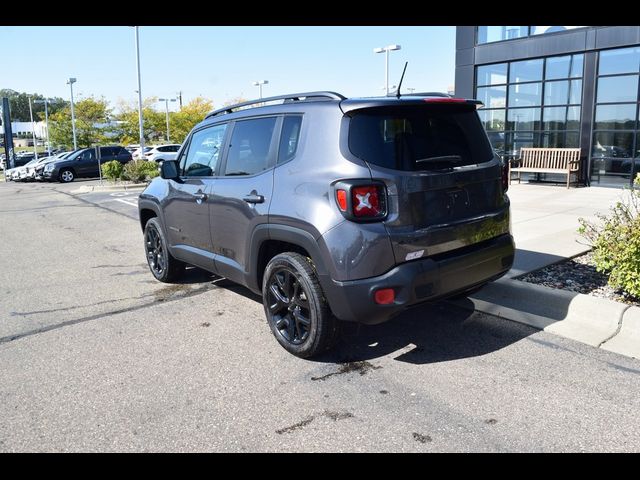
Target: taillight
366, 201
361, 200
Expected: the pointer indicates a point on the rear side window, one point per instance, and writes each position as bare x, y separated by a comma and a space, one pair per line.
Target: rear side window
418, 138
289, 137
250, 146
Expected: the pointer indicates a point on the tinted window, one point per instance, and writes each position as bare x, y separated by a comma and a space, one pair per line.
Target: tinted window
419, 138
289, 138
204, 151
526, 71
623, 60
249, 146
492, 74
618, 89
527, 95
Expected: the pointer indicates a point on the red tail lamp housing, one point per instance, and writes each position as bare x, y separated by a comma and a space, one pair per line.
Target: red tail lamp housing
361, 200
384, 296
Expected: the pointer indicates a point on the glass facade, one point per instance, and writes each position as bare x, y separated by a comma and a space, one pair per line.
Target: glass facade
615, 146
531, 103
497, 33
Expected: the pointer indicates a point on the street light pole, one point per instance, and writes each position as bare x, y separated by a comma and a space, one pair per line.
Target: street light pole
33, 131
259, 83
70, 82
46, 120
386, 49
140, 123
166, 107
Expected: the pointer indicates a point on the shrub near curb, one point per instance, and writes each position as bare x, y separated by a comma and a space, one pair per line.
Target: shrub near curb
140, 171
616, 242
112, 170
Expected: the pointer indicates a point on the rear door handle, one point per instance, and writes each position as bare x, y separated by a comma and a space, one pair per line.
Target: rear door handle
253, 198
200, 197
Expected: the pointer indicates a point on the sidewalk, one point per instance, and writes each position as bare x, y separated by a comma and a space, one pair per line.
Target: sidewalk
545, 224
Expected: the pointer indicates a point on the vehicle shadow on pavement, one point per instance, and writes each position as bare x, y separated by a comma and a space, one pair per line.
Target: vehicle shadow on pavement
429, 333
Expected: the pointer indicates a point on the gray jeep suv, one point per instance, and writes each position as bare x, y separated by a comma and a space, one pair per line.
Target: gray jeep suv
334, 209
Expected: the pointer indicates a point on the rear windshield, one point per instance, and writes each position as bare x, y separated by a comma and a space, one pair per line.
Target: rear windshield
420, 137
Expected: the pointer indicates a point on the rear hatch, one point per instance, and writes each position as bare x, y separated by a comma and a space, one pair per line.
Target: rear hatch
443, 181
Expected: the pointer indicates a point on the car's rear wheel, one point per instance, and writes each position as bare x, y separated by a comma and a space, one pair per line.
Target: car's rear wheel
161, 263
66, 175
296, 309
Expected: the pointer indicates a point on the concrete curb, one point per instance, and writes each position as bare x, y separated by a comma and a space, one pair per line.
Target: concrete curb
109, 188
627, 342
587, 319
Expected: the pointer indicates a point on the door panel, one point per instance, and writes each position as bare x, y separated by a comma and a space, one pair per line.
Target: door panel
240, 198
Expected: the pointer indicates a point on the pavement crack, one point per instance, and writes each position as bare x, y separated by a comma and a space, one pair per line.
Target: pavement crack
333, 415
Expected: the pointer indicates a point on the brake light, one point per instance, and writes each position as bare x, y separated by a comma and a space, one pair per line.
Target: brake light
361, 200
366, 201
445, 100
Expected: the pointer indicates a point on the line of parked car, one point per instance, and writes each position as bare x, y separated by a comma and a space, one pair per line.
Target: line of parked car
67, 166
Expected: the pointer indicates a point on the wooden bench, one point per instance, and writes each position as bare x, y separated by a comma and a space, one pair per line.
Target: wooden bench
547, 160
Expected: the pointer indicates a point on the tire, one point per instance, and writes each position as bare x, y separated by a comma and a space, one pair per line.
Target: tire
161, 263
296, 310
66, 175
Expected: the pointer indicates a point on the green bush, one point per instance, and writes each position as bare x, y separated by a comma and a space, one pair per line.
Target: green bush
616, 242
112, 170
140, 170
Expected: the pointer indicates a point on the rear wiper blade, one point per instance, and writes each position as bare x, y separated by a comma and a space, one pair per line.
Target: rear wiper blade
445, 158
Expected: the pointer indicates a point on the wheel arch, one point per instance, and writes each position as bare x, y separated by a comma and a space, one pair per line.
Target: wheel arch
268, 241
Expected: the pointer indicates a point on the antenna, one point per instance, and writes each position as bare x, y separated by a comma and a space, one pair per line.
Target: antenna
401, 78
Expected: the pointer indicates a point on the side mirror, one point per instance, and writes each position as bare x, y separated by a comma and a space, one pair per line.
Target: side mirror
169, 170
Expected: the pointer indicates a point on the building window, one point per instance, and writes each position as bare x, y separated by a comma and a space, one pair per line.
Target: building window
615, 147
531, 103
497, 33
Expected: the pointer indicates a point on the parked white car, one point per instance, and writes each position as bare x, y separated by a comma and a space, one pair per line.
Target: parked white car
137, 155
160, 153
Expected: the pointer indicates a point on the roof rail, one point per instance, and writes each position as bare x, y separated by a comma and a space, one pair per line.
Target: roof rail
293, 97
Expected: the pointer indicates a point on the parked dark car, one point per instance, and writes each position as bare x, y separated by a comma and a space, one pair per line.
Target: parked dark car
83, 163
334, 209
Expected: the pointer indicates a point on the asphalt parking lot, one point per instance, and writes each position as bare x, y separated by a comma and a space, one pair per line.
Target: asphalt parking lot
98, 356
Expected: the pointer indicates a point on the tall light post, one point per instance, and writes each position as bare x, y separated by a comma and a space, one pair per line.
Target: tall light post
70, 82
386, 50
259, 83
166, 109
46, 120
141, 131
33, 131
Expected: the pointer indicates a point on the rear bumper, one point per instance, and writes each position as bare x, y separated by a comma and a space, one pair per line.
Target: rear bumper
430, 279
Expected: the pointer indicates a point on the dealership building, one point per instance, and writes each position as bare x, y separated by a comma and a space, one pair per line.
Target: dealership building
557, 86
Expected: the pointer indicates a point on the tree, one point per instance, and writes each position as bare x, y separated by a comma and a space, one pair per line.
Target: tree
154, 122
91, 116
19, 105
189, 115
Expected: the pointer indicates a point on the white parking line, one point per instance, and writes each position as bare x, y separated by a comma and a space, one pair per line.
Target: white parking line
127, 202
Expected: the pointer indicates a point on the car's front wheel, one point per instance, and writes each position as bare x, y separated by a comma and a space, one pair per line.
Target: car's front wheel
296, 309
161, 263
66, 175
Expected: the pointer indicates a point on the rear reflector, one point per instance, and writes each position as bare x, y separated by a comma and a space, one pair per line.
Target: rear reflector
384, 296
